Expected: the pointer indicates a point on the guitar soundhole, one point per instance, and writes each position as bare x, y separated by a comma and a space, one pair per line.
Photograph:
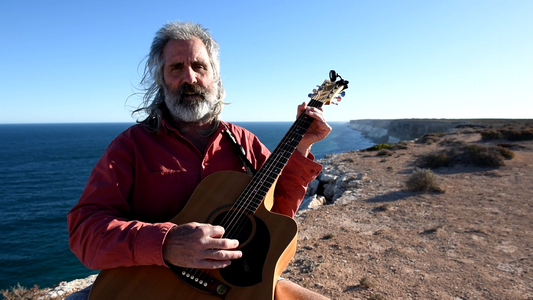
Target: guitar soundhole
254, 240
237, 225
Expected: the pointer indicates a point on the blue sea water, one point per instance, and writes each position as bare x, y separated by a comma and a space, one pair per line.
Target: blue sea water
43, 169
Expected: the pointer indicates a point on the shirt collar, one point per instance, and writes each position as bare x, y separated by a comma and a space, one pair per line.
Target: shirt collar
166, 126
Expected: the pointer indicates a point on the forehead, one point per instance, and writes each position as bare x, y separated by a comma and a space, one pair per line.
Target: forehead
185, 50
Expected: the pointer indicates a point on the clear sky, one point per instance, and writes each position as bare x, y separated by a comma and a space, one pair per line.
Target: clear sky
79, 61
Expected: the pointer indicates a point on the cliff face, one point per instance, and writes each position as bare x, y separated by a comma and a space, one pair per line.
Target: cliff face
393, 131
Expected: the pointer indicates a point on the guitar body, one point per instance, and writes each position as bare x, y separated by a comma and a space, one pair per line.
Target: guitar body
268, 243
241, 204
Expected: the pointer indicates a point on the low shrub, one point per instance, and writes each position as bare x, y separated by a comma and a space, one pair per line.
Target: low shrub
430, 138
384, 152
379, 147
435, 160
508, 154
423, 180
365, 283
478, 155
518, 135
401, 145
452, 143
485, 156
488, 135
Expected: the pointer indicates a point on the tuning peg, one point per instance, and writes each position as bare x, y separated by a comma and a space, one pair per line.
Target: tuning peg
343, 93
339, 98
310, 95
332, 75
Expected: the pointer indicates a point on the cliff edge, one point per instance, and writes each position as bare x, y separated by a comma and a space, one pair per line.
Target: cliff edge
393, 131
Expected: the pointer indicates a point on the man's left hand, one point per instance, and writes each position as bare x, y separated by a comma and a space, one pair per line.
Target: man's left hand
318, 130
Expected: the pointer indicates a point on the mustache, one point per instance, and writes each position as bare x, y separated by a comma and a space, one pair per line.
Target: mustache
191, 89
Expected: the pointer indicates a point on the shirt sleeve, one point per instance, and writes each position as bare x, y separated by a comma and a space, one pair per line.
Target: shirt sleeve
100, 232
292, 184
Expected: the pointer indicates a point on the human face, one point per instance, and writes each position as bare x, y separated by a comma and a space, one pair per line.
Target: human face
190, 92
187, 62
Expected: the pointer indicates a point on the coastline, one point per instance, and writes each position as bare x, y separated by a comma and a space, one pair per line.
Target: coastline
473, 241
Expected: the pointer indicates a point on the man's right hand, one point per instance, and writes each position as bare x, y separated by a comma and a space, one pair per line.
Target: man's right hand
201, 246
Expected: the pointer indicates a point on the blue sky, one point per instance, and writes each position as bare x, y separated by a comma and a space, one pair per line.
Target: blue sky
80, 61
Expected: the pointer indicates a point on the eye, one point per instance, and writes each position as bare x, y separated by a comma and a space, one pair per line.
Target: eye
199, 66
175, 67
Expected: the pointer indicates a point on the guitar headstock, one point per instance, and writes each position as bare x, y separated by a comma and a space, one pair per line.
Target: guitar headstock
330, 89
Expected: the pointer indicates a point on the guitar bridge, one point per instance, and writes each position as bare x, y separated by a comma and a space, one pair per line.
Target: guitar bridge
201, 281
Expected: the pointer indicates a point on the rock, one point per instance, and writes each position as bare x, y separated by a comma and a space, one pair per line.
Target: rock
393, 131
64, 287
327, 177
329, 191
312, 188
313, 202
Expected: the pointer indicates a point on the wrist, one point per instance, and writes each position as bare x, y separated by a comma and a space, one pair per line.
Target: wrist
304, 149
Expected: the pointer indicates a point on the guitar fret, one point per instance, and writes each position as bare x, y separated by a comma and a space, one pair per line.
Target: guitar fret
262, 182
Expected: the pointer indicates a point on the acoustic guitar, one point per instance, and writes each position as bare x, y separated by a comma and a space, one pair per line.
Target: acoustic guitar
241, 204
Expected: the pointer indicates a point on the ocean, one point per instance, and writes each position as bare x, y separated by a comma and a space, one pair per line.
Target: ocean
43, 170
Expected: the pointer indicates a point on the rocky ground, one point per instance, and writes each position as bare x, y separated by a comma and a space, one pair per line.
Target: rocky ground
379, 241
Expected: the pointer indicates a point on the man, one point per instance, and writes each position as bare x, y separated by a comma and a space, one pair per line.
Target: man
148, 172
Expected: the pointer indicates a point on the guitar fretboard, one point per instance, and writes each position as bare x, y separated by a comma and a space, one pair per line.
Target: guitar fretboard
261, 183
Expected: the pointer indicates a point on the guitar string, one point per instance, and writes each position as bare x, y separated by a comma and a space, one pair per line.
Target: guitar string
237, 219
280, 154
291, 137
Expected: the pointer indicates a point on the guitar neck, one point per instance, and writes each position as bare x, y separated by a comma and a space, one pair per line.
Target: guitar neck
261, 183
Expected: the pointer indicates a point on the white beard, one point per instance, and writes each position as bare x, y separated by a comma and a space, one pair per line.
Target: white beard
191, 111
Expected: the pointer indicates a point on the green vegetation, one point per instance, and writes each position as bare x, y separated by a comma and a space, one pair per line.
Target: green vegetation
379, 147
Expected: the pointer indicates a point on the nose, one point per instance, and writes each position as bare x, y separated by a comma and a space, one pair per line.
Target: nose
189, 76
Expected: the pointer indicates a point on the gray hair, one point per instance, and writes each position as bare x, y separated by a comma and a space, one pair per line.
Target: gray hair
153, 103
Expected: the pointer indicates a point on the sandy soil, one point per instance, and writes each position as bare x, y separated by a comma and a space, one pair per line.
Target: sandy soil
475, 241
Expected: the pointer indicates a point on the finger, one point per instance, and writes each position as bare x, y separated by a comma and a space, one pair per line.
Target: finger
215, 231
217, 259
316, 113
224, 244
301, 109
213, 264
222, 255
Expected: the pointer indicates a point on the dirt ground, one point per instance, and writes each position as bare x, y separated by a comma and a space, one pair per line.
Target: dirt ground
475, 241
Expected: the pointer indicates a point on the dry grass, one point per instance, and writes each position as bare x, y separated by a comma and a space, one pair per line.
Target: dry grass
475, 154
423, 180
21, 293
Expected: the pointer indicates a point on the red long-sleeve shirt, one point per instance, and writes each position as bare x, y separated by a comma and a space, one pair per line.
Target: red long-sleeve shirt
144, 179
